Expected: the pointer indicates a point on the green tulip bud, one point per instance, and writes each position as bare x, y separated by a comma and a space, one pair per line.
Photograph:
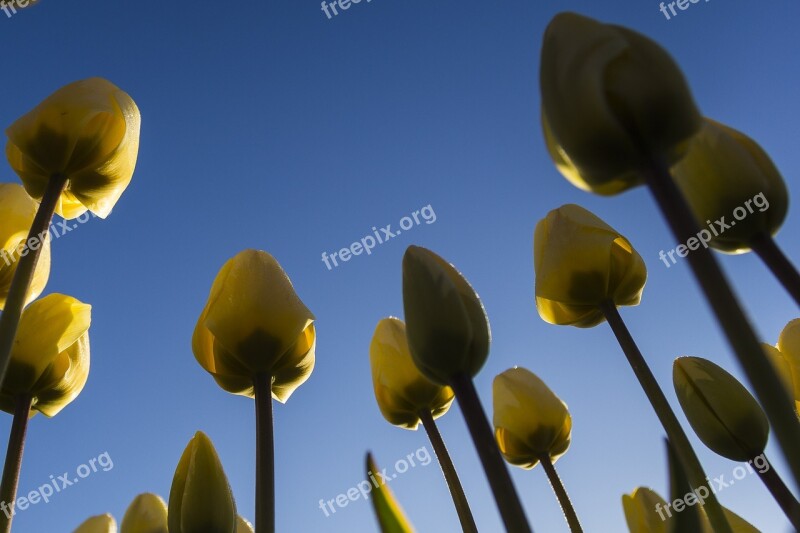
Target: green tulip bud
103, 523
146, 514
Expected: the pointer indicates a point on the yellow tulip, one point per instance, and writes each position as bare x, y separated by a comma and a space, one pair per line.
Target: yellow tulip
530, 421
88, 132
446, 324
17, 211
723, 414
243, 526
581, 262
401, 390
98, 524
146, 514
786, 358
727, 174
200, 500
253, 323
50, 357
611, 97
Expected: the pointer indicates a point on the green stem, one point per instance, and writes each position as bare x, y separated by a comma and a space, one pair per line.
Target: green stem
23, 275
780, 265
561, 494
786, 500
505, 494
450, 474
13, 464
677, 437
265, 455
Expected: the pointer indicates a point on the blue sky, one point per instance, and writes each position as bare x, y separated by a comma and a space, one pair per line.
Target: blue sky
267, 125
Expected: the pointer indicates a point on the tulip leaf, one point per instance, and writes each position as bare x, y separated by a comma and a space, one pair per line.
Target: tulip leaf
690, 519
390, 515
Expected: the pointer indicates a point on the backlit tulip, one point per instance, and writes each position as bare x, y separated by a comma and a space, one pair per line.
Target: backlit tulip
146, 514
581, 262
785, 356
610, 98
723, 414
50, 357
530, 421
17, 211
98, 524
242, 526
200, 500
732, 187
254, 322
87, 131
446, 324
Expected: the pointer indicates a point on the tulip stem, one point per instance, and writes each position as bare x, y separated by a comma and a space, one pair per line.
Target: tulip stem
26, 266
786, 500
265, 455
449, 471
561, 494
781, 267
499, 479
677, 437
769, 388
13, 464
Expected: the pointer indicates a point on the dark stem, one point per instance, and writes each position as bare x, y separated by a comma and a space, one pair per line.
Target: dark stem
265, 455
561, 494
13, 464
780, 266
26, 265
450, 474
677, 437
482, 436
780, 492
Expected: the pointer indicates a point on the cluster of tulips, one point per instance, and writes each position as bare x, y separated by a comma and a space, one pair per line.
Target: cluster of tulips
616, 113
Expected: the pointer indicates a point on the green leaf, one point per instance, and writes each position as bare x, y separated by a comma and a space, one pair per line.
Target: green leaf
390, 515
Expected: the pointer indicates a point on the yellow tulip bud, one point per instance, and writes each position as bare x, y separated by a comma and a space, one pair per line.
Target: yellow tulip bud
446, 324
98, 524
727, 174
200, 500
87, 131
786, 359
146, 514
581, 262
611, 98
723, 414
530, 421
50, 357
253, 323
242, 526
401, 390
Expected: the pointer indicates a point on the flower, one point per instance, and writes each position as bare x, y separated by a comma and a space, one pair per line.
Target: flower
50, 357
401, 391
17, 211
254, 322
98, 524
580, 263
723, 414
611, 99
530, 421
243, 526
786, 358
446, 324
146, 514
200, 500
88, 132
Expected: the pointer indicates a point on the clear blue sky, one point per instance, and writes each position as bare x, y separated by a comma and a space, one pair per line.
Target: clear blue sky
266, 125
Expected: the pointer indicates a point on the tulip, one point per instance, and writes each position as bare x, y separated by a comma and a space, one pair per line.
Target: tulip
98, 524
200, 500
86, 132
17, 211
243, 526
788, 352
146, 514
580, 263
610, 97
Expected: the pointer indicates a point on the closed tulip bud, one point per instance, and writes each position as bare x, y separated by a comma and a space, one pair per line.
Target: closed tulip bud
200, 500
253, 323
146, 514
723, 414
243, 526
611, 99
88, 132
17, 211
726, 175
401, 390
50, 357
530, 421
446, 324
98, 524
786, 359
582, 262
